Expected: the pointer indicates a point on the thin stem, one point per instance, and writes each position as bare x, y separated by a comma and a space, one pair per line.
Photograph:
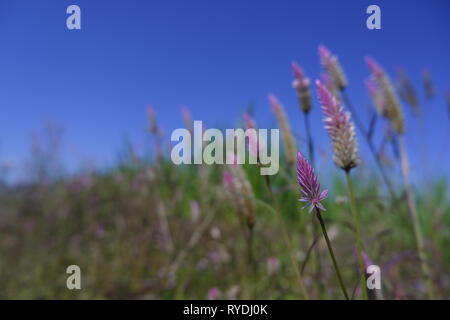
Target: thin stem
356, 221
330, 249
287, 240
414, 216
370, 144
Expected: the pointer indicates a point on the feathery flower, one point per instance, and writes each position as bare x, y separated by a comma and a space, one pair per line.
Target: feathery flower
392, 109
340, 129
288, 139
187, 118
309, 184
254, 144
235, 180
153, 125
301, 84
406, 90
249, 122
331, 63
447, 98
376, 95
428, 83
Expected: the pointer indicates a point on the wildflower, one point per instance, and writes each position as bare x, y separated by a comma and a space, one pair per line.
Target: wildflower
428, 84
340, 129
392, 109
187, 118
288, 139
301, 83
153, 125
447, 98
273, 265
407, 91
331, 63
309, 184
376, 95
249, 122
214, 293
241, 192
195, 211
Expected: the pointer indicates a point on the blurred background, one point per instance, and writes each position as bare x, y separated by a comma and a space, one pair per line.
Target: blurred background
85, 171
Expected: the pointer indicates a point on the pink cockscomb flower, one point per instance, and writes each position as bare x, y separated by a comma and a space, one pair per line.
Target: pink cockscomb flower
340, 129
301, 84
214, 293
309, 184
331, 64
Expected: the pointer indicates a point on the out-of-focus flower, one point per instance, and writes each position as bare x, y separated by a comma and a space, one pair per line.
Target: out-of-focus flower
406, 90
309, 185
302, 84
215, 233
273, 265
392, 109
331, 63
187, 118
376, 95
195, 211
241, 193
447, 98
340, 129
214, 293
152, 122
249, 122
430, 91
232, 293
288, 139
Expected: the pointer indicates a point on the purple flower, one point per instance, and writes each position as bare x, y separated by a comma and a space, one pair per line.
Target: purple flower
340, 129
273, 265
309, 185
214, 293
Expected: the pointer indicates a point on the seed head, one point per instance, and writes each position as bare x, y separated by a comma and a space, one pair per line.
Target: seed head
392, 109
288, 139
340, 129
301, 83
331, 63
309, 185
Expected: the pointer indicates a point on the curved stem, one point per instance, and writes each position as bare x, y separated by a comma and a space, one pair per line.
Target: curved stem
330, 249
358, 234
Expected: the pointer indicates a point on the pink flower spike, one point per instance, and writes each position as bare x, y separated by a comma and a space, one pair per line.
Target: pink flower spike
324, 54
249, 122
309, 185
275, 104
374, 67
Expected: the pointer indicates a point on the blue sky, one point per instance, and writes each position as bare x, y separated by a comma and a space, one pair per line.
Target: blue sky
216, 57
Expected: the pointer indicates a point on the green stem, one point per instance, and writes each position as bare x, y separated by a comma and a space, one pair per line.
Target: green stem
414, 216
330, 249
358, 233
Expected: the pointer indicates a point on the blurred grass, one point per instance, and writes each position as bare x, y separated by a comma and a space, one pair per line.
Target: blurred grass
133, 232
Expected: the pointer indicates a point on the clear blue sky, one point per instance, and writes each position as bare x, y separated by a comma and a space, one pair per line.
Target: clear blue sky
216, 57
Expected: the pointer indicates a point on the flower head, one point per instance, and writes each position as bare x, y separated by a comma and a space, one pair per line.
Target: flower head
309, 184
331, 63
153, 125
392, 110
288, 138
340, 129
187, 118
301, 84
